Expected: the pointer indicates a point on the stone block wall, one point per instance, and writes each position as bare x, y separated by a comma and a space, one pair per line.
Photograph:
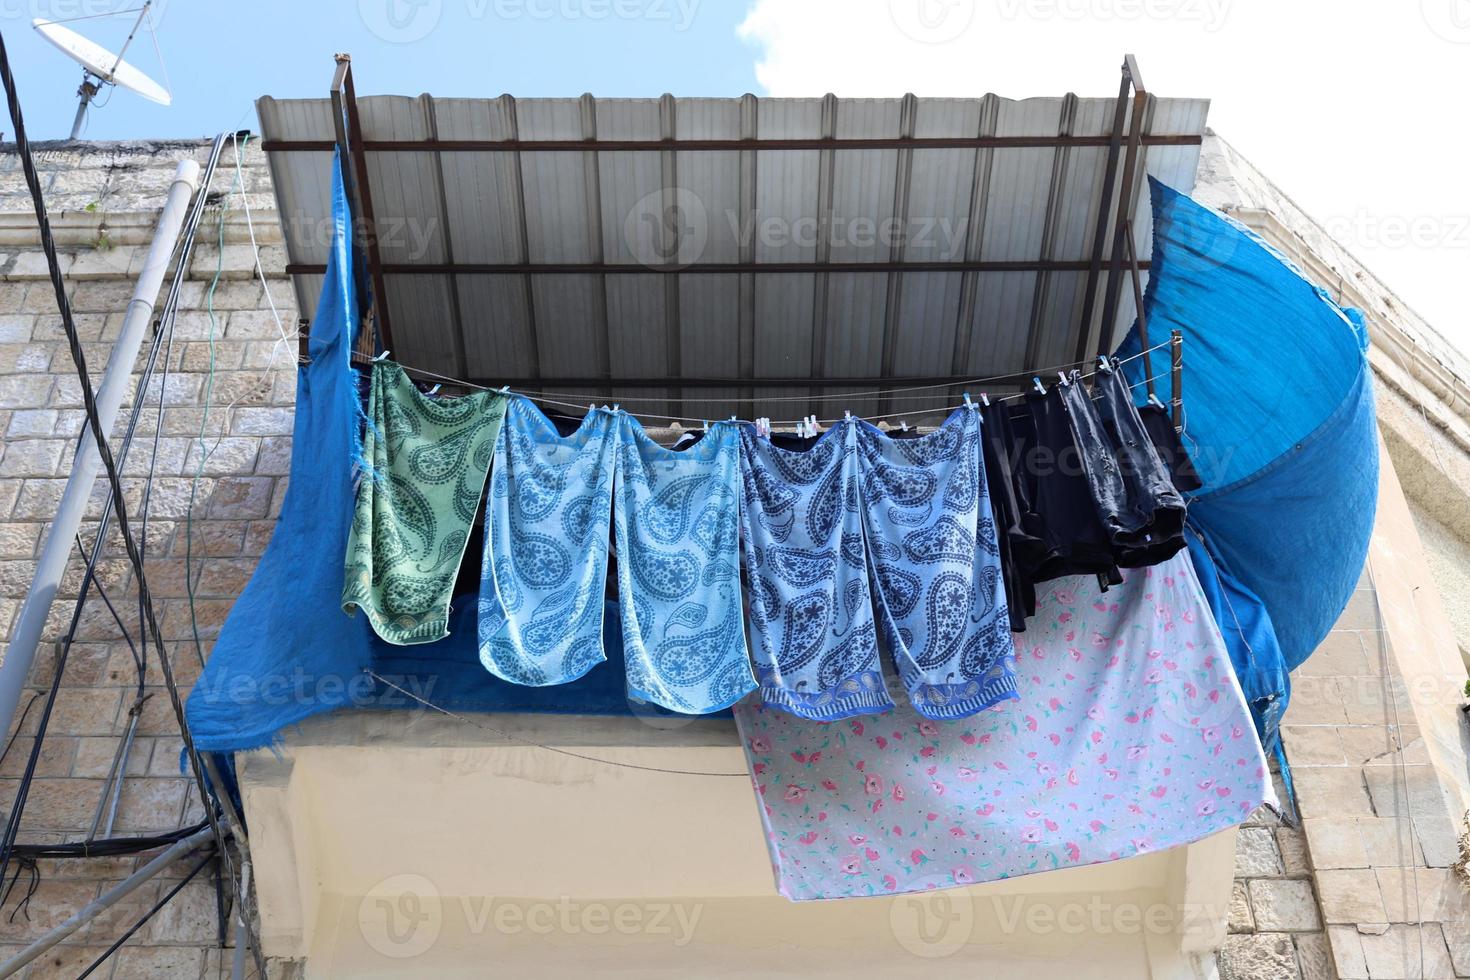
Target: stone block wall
223, 439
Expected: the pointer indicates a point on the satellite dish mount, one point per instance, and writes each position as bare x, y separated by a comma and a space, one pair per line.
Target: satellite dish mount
101, 67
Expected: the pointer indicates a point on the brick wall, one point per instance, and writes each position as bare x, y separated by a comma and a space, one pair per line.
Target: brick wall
104, 200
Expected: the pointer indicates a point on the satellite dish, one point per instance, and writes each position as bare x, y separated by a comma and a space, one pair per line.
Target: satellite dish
100, 66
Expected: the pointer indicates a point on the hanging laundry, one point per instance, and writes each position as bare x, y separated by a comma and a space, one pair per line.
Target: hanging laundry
544, 570
810, 615
1019, 547
425, 464
935, 562
1170, 446
1064, 517
1131, 737
1131, 489
677, 529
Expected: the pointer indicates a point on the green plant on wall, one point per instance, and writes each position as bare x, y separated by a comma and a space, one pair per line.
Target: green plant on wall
102, 243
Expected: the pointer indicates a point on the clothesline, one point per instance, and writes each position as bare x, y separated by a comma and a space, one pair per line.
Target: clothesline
548, 398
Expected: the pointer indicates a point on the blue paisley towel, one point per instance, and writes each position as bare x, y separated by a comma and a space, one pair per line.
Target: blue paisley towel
811, 618
936, 566
677, 527
544, 568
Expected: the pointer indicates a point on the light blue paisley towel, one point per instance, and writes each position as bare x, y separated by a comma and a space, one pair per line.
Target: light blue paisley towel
811, 618
936, 566
677, 526
544, 569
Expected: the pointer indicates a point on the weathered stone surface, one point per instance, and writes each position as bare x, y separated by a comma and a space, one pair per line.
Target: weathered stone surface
1256, 853
1335, 843
1284, 905
1407, 951
1257, 957
1350, 896
1240, 918
1312, 957
1346, 948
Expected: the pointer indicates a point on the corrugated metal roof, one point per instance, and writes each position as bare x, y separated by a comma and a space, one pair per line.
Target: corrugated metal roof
1022, 216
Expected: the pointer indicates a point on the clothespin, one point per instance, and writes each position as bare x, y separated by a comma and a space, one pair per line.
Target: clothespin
846, 415
968, 404
984, 399
1061, 378
903, 425
505, 389
1103, 365
382, 356
434, 390
616, 409
1154, 401
1039, 389
706, 425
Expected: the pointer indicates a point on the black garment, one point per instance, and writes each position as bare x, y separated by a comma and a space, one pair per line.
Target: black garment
1135, 497
1170, 448
1019, 549
1063, 515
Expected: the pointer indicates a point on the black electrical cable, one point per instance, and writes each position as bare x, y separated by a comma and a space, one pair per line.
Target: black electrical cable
182, 251
89, 402
110, 846
146, 916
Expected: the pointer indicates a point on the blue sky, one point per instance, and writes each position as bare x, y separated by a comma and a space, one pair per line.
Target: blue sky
1340, 102
220, 56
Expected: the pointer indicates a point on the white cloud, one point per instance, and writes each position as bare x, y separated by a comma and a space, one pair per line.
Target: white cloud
1347, 106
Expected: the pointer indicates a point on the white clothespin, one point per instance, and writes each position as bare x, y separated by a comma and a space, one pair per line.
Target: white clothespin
984, 399
505, 389
434, 390
616, 409
706, 425
969, 404
846, 415
903, 425
1062, 378
1154, 401
383, 356
1103, 365
1039, 389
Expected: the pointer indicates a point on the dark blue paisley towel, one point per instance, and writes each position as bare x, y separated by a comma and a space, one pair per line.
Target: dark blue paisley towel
544, 568
936, 566
810, 615
677, 525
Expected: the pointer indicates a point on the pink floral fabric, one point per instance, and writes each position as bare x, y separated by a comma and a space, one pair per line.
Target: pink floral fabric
1130, 736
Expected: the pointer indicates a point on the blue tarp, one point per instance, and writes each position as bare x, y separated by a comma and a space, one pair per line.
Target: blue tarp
287, 652
1279, 421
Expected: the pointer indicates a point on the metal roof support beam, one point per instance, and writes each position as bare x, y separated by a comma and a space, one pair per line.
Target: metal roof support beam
350, 142
638, 268
1127, 201
794, 143
1104, 206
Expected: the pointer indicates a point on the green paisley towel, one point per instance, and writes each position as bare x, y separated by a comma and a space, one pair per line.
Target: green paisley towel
429, 458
